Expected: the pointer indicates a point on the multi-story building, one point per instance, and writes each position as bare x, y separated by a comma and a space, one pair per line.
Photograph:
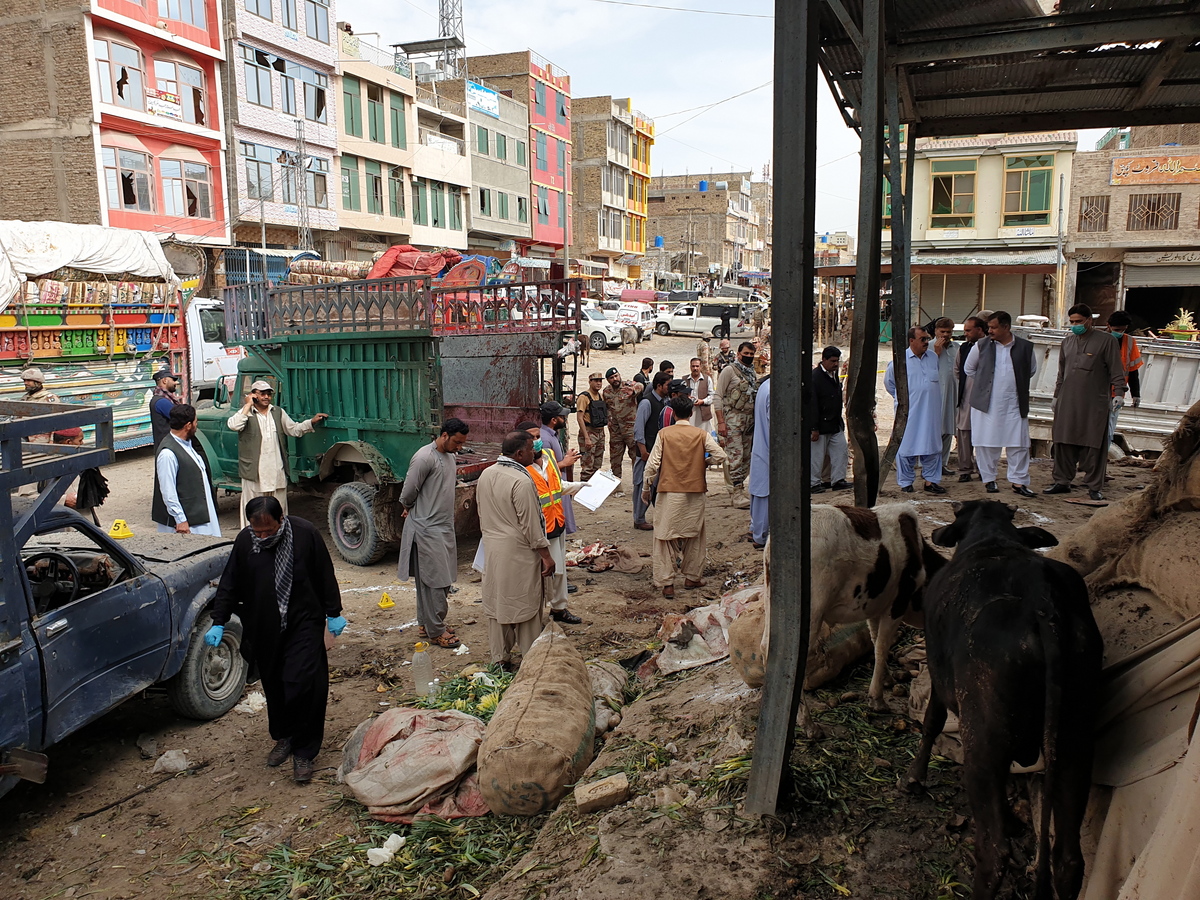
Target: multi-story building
112, 115
282, 122
497, 143
1134, 224
375, 147
611, 175
545, 90
709, 224
762, 198
834, 248
985, 230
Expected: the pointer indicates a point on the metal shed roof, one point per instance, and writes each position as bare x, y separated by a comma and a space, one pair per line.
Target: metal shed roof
1031, 64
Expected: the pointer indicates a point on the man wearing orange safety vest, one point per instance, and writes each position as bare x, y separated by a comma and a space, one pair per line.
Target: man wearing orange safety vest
551, 488
1119, 323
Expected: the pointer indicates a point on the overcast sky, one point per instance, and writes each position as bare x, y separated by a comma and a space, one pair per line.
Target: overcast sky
668, 62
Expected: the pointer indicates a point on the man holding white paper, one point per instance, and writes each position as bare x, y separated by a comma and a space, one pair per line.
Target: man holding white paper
551, 489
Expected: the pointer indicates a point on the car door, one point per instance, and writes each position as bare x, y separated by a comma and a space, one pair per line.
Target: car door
684, 319
17, 663
104, 645
212, 360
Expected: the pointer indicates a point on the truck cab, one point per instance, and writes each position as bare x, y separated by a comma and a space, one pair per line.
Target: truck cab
210, 360
87, 621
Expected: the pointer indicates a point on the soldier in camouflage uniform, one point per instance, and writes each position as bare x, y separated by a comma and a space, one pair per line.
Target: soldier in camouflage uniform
622, 399
592, 413
734, 405
724, 357
704, 354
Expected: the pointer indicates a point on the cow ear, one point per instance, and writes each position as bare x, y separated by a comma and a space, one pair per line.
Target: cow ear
1036, 538
956, 506
946, 536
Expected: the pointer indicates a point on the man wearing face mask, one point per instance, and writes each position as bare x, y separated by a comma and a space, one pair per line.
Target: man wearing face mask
1091, 383
551, 491
737, 386
1131, 360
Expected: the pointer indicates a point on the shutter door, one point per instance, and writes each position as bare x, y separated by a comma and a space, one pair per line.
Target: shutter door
962, 297
1003, 292
1162, 276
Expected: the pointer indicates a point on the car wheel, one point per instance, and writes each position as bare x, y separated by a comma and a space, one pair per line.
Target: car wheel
352, 524
212, 679
720, 332
663, 328
598, 341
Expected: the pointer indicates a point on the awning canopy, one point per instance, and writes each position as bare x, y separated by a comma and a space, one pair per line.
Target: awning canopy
1028, 262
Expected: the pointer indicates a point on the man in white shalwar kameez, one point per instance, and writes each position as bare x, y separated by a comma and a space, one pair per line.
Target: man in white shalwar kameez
923, 434
1001, 367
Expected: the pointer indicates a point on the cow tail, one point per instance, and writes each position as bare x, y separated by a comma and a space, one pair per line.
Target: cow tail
1047, 620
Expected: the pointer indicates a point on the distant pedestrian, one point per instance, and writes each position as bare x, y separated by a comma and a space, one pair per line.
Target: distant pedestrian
1001, 367
677, 468
828, 434
262, 431
518, 552
162, 400
758, 318
646, 374
759, 482
974, 329
428, 546
279, 582
702, 393
592, 415
184, 499
922, 441
1090, 385
645, 432
947, 352
734, 405
622, 398
1119, 323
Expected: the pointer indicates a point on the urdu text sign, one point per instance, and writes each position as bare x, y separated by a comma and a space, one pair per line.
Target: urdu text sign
1155, 170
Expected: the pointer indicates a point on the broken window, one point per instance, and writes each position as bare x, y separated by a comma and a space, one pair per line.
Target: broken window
187, 190
259, 8
456, 211
127, 180
315, 87
318, 195
258, 76
437, 205
374, 176
396, 191
186, 83
1028, 185
119, 68
953, 195
189, 11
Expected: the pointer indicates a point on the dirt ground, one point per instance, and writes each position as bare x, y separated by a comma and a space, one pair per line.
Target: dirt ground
213, 832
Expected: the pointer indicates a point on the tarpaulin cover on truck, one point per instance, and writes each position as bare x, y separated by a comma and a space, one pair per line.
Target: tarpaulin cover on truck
31, 249
404, 260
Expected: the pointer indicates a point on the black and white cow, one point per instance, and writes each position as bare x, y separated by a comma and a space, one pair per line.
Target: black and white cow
1014, 652
867, 565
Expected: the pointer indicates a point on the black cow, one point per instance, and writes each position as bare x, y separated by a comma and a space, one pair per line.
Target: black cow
1014, 651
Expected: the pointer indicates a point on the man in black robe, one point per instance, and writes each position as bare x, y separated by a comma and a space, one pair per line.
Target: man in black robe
279, 581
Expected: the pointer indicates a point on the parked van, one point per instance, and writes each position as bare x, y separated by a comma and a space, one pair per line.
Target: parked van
640, 314
699, 318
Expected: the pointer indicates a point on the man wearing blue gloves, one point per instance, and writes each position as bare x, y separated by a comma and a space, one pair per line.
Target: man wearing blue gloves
280, 582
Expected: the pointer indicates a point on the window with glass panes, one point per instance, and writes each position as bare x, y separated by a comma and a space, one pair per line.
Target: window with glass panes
543, 206
316, 88
287, 9
128, 180
1028, 185
562, 209
376, 129
259, 8
259, 181
258, 77
543, 160
481, 139
539, 97
437, 204
374, 176
503, 204
185, 82
522, 209
396, 192
485, 202
953, 202
456, 211
351, 191
520, 153
352, 105
420, 204
189, 11
187, 188
119, 68
399, 128
562, 157
316, 20
501, 146
318, 183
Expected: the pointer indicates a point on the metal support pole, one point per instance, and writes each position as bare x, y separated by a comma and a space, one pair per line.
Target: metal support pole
864, 343
796, 29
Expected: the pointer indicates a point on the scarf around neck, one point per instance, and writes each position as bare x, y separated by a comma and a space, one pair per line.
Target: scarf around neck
281, 541
750, 376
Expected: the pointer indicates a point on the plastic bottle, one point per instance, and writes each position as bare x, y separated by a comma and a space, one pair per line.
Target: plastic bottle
422, 669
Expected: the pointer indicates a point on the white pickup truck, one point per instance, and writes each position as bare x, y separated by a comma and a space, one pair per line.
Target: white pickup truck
699, 318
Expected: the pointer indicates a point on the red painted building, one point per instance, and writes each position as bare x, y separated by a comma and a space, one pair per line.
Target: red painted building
546, 90
155, 74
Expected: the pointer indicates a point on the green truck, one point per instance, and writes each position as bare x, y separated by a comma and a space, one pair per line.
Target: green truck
388, 359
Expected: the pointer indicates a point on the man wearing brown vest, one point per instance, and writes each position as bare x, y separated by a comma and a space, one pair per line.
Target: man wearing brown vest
677, 461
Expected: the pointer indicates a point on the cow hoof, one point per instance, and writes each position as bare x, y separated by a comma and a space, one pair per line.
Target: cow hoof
878, 704
911, 785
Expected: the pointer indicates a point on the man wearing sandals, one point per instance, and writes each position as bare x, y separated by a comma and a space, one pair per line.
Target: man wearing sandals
428, 550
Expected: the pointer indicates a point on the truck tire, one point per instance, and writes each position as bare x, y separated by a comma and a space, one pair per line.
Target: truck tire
211, 681
720, 332
663, 328
352, 524
599, 340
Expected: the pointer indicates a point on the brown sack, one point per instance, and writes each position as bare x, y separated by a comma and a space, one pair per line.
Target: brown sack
745, 645
542, 736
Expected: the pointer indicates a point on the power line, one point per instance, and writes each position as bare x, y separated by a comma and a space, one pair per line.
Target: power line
714, 106
686, 9
709, 105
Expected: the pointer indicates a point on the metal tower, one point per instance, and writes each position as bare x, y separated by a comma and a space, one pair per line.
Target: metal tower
450, 25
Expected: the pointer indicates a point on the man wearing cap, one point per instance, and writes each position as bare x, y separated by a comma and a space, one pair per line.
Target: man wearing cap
162, 400
184, 500
262, 445
35, 392
621, 397
592, 414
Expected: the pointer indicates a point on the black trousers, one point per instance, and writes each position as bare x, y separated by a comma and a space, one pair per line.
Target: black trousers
1070, 457
297, 690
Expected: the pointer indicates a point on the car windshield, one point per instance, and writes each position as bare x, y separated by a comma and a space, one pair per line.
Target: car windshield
595, 314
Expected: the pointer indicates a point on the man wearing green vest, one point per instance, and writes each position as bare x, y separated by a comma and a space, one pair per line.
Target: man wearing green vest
262, 445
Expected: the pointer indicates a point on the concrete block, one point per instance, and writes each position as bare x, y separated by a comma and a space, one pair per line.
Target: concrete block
603, 793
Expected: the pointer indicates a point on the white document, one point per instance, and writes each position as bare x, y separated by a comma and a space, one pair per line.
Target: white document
599, 486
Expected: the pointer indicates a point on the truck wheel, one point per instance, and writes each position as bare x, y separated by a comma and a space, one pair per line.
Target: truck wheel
352, 524
212, 678
663, 328
719, 332
598, 340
